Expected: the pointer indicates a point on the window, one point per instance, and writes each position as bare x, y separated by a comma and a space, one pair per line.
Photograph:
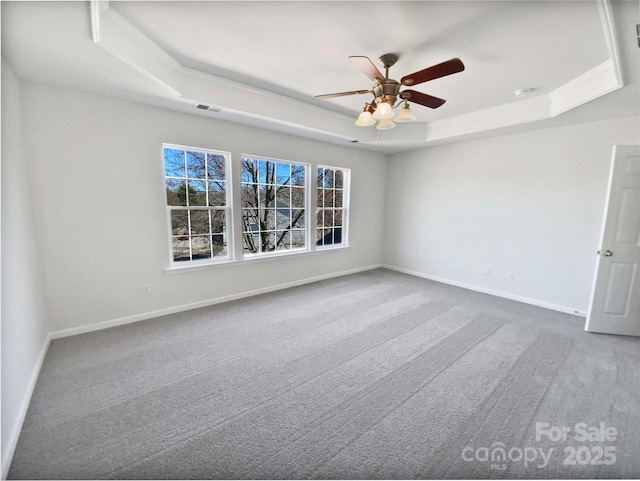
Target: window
332, 206
273, 199
272, 214
197, 203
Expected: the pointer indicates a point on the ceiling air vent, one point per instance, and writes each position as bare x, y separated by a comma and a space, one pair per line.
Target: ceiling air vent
208, 107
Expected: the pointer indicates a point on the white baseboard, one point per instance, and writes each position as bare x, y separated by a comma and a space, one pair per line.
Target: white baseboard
484, 290
195, 305
24, 406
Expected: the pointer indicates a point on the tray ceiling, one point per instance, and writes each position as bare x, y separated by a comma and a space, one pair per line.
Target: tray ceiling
261, 63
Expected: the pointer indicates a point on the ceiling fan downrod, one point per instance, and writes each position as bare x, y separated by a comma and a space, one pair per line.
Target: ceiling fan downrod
387, 90
387, 61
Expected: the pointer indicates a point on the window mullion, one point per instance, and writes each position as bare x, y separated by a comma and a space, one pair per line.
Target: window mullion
313, 210
236, 213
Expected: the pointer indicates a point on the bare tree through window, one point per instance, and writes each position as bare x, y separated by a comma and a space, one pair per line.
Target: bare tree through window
332, 184
196, 191
273, 205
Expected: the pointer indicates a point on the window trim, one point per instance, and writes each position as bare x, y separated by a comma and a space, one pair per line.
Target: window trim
242, 256
346, 207
181, 269
227, 208
233, 216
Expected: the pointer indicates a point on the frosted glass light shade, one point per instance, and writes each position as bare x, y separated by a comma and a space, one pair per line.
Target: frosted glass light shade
365, 119
405, 114
385, 124
383, 111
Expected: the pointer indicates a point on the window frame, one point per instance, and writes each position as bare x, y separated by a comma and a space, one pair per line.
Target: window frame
233, 215
245, 256
345, 208
228, 232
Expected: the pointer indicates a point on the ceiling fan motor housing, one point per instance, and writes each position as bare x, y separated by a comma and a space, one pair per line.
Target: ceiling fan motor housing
386, 91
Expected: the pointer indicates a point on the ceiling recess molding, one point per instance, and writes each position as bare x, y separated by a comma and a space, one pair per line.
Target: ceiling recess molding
243, 103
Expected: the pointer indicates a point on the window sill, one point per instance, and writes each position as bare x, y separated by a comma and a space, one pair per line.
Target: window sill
252, 260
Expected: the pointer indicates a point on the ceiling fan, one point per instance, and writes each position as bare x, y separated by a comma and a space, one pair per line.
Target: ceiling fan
386, 90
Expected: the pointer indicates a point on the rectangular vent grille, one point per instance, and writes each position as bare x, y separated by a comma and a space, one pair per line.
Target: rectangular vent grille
208, 107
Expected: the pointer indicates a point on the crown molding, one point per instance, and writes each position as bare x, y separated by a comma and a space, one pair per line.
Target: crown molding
246, 104
589, 86
609, 31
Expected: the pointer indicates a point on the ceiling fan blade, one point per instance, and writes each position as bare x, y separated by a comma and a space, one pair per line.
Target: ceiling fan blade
422, 99
343, 94
443, 69
367, 67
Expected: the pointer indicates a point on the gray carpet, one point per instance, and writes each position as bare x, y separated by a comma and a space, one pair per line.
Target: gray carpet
374, 375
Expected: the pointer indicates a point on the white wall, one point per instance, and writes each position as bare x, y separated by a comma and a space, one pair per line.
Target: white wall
86, 170
97, 179
24, 325
531, 203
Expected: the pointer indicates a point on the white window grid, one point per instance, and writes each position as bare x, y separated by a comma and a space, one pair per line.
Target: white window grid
332, 206
193, 245
331, 212
279, 209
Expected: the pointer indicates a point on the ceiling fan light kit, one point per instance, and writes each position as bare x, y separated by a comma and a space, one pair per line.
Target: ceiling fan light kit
366, 118
386, 124
383, 111
386, 90
405, 114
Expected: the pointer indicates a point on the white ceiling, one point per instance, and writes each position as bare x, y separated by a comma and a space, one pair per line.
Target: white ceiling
263, 62
303, 47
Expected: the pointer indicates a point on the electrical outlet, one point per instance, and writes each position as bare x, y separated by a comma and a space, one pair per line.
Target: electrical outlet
146, 289
511, 275
487, 271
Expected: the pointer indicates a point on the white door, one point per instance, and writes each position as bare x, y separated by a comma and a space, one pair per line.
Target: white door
615, 300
